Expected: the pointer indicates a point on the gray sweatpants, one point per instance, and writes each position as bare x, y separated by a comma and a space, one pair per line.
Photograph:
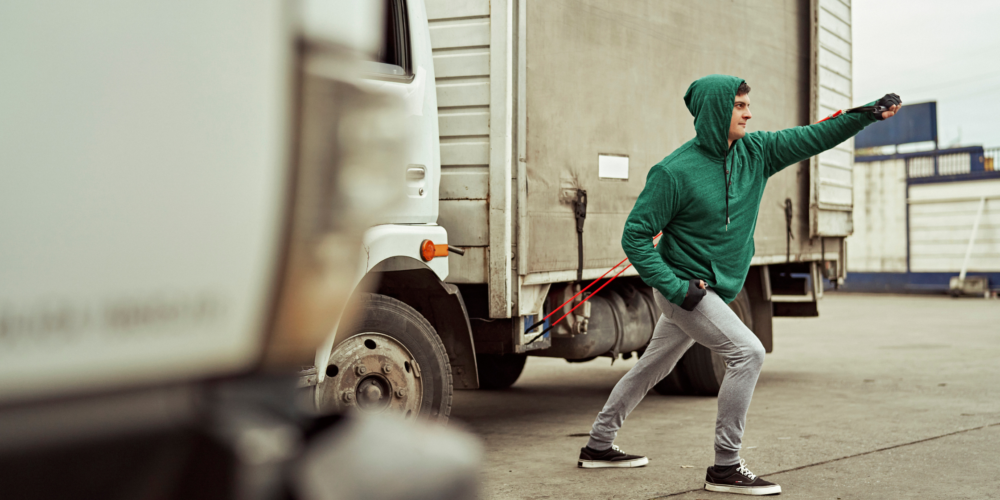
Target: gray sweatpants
714, 325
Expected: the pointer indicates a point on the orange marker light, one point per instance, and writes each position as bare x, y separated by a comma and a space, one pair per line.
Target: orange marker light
428, 250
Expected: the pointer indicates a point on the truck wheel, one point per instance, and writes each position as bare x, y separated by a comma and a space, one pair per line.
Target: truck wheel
702, 368
499, 371
673, 384
391, 361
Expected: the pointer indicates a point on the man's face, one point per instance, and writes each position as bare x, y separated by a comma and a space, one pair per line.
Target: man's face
741, 114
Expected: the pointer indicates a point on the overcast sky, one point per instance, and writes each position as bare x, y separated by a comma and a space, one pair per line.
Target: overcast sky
924, 50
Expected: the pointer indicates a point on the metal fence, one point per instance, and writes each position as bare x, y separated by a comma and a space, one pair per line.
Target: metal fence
954, 164
919, 166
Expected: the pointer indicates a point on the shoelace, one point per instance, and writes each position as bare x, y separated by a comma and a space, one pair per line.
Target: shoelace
746, 472
616, 448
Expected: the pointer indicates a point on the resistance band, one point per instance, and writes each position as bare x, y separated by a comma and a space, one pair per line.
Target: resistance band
547, 316
860, 109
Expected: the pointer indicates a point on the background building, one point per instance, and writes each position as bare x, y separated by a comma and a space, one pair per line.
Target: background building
914, 213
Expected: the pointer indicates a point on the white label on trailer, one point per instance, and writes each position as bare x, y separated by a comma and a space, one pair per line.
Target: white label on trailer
612, 166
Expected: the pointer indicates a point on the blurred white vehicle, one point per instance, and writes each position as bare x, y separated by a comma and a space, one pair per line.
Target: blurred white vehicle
184, 188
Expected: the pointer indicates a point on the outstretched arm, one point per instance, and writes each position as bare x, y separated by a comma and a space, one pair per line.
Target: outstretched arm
790, 146
653, 210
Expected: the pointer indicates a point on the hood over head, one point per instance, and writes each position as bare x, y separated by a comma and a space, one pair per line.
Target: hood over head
710, 100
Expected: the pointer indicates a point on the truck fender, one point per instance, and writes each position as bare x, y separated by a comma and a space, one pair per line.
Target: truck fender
388, 247
414, 283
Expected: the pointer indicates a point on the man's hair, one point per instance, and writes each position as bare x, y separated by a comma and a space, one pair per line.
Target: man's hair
743, 89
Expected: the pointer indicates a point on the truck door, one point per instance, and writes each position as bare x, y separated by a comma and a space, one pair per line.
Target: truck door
830, 190
404, 67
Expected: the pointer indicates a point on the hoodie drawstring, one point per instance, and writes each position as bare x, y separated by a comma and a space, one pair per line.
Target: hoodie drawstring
727, 178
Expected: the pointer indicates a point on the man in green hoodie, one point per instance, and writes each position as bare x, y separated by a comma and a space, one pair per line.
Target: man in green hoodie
705, 197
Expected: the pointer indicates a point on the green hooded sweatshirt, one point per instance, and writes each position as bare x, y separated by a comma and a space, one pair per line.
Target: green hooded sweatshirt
685, 195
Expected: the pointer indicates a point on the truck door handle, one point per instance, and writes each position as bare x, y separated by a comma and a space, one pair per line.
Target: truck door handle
414, 172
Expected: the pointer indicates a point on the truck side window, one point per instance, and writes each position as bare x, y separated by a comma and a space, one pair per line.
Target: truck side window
394, 54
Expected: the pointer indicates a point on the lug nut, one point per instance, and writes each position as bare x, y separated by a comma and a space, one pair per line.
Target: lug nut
387, 368
400, 393
348, 397
361, 370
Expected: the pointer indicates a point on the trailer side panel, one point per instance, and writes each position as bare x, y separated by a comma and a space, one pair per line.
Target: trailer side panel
607, 77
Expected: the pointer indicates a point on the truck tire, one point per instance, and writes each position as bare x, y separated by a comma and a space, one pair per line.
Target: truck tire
702, 369
673, 384
499, 371
391, 360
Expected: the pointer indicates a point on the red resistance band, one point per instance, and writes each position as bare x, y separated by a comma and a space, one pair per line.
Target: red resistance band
859, 109
547, 316
838, 113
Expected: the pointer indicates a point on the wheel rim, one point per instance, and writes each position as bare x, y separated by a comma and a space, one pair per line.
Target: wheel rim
372, 373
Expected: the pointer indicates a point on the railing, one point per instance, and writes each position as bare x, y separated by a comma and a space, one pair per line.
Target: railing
925, 166
954, 164
919, 166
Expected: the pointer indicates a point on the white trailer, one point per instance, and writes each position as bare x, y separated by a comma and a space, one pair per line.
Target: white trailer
540, 117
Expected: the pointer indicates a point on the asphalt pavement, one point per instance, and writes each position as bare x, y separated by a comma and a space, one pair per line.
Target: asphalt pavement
882, 396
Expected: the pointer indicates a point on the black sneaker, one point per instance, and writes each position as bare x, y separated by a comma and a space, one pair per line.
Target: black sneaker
739, 480
612, 457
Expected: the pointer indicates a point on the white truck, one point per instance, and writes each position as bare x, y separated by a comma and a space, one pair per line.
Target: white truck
183, 191
169, 169
537, 123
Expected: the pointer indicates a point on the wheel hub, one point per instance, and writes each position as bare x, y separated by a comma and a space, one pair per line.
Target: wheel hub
373, 393
371, 373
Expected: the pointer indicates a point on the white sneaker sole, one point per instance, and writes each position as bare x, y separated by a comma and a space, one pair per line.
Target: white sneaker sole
603, 464
744, 490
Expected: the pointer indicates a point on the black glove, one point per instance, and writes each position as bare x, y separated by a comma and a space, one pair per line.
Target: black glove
887, 102
694, 296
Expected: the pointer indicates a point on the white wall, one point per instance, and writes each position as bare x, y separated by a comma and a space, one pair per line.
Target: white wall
879, 240
941, 219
